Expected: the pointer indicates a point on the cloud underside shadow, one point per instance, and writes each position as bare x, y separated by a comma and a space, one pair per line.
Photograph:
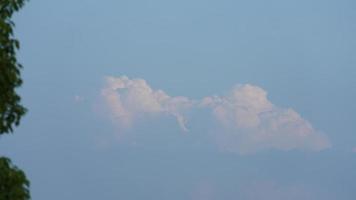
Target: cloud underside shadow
247, 121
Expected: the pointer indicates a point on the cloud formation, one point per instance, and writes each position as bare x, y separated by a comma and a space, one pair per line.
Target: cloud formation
129, 99
248, 121
251, 123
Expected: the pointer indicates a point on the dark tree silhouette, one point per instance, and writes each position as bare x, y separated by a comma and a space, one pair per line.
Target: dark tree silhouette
13, 182
11, 110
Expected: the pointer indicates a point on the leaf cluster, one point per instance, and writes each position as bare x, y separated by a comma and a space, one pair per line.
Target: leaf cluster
11, 110
13, 182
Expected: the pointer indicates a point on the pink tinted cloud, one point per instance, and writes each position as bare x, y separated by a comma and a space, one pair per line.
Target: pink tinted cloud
248, 121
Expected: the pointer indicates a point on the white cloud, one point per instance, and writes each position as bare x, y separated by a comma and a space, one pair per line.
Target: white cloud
251, 123
132, 98
248, 121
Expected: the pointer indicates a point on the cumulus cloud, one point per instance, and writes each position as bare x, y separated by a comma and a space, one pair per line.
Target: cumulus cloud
248, 121
251, 123
129, 99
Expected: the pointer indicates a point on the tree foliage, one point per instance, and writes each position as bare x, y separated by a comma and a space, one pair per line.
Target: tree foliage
11, 110
13, 182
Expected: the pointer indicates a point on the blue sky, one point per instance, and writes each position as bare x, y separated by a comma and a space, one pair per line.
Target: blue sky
221, 100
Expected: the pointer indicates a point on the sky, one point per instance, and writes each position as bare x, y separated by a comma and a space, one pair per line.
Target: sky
193, 100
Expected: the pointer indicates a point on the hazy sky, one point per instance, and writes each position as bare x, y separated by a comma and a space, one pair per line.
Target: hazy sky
187, 100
